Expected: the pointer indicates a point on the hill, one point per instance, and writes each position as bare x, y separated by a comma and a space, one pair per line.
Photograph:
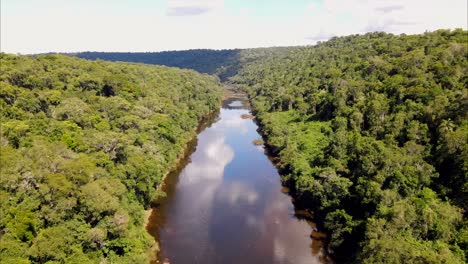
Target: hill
221, 63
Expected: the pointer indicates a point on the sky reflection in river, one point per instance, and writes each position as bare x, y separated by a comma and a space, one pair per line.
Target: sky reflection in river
227, 205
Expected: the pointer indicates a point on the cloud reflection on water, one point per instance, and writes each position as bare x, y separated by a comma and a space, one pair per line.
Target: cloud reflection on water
238, 192
229, 207
233, 122
209, 165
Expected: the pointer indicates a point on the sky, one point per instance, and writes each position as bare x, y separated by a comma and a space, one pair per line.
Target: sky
37, 26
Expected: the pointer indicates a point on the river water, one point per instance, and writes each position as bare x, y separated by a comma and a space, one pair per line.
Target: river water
226, 204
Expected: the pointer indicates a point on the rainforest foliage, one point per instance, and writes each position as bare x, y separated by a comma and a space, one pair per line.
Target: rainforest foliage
372, 135
371, 131
201, 60
222, 63
83, 145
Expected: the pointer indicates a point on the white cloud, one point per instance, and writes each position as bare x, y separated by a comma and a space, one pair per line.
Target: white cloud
193, 7
321, 35
335, 17
53, 25
389, 8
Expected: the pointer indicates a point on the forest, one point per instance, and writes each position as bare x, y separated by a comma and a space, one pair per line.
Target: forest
221, 63
202, 60
372, 134
83, 145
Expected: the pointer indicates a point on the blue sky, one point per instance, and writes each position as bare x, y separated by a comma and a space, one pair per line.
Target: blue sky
33, 26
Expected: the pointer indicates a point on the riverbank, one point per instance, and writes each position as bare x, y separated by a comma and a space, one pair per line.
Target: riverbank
178, 164
226, 203
318, 232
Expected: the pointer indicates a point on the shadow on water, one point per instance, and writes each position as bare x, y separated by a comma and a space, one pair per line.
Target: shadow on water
225, 202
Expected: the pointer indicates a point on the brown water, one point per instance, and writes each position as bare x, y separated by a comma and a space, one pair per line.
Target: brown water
226, 203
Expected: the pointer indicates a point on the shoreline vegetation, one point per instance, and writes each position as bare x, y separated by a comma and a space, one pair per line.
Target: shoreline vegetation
83, 146
229, 94
177, 165
370, 133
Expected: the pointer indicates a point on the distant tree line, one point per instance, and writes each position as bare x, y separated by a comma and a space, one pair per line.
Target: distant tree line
221, 63
202, 60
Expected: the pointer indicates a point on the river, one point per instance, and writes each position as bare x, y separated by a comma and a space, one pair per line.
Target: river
226, 204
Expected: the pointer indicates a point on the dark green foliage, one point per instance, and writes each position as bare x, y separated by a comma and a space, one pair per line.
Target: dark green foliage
372, 135
371, 131
206, 61
222, 63
83, 146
